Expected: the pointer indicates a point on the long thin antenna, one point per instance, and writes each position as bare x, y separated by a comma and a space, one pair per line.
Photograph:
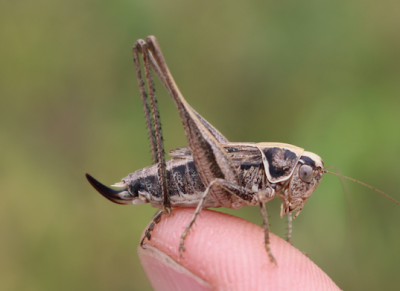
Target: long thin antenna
373, 188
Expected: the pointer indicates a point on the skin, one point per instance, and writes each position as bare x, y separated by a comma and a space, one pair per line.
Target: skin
224, 252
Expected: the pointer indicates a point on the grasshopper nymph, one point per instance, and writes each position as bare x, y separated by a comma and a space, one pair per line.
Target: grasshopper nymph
211, 171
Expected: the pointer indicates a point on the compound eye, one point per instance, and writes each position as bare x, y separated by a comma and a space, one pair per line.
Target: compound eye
306, 173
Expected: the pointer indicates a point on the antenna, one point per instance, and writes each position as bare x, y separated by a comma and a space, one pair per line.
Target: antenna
373, 188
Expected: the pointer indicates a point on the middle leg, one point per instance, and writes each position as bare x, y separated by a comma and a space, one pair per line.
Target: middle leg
264, 215
238, 191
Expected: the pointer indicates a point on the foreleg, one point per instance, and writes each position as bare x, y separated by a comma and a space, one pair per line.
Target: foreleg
290, 228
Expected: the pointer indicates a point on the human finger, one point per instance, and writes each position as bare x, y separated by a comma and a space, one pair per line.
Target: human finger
224, 252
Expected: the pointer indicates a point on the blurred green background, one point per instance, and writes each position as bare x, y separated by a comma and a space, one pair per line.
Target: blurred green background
323, 75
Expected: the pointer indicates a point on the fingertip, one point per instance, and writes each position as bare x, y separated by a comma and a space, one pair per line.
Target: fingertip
166, 274
228, 253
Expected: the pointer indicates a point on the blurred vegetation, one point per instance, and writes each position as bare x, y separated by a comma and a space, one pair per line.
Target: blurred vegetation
323, 75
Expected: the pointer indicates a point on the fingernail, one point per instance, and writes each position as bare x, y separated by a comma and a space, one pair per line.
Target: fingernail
166, 274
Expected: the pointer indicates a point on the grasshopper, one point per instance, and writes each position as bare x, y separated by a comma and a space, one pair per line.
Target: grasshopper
211, 171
